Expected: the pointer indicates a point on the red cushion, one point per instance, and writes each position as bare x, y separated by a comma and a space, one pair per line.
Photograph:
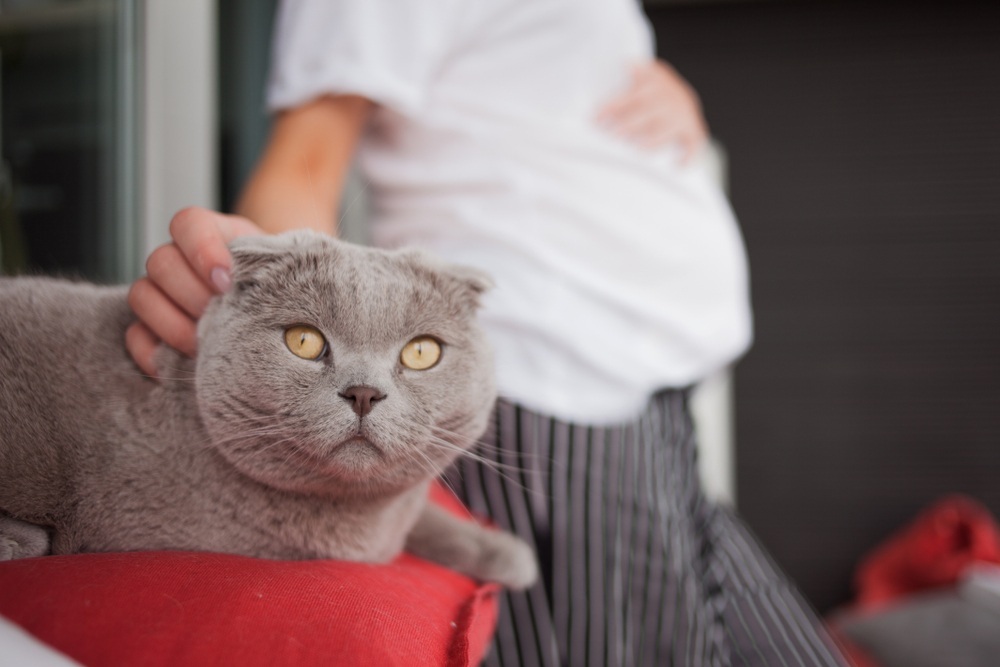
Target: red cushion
182, 608
933, 551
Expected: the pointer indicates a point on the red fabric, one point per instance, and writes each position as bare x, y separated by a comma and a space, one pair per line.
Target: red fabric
182, 608
932, 551
442, 496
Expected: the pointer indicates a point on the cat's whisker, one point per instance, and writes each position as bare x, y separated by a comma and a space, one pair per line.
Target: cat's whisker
266, 449
268, 429
503, 470
283, 420
423, 462
447, 445
139, 373
462, 437
243, 411
175, 369
252, 438
477, 450
161, 378
486, 447
446, 483
290, 458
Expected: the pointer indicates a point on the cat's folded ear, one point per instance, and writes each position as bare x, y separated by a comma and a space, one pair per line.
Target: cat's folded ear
464, 282
254, 254
475, 280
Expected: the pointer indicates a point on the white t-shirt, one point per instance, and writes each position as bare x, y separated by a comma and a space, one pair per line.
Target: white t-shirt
619, 272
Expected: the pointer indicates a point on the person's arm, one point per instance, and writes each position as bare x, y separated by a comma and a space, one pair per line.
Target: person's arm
658, 108
298, 181
295, 185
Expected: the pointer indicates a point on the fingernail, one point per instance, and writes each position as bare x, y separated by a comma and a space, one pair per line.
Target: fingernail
221, 279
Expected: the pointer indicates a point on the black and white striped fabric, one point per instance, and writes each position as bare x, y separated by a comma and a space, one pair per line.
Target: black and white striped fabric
638, 567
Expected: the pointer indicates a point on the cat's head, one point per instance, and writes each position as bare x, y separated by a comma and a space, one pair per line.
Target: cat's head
336, 369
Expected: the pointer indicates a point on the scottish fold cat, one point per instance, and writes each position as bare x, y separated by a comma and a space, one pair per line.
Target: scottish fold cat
332, 383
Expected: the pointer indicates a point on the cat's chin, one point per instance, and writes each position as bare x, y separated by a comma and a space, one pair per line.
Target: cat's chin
354, 459
354, 468
322, 467
357, 455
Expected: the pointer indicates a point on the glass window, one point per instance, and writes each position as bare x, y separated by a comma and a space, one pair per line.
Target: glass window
68, 137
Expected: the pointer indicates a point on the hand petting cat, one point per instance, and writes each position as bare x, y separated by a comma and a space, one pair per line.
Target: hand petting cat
295, 185
181, 278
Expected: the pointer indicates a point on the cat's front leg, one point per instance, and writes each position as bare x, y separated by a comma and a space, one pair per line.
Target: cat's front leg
19, 539
467, 547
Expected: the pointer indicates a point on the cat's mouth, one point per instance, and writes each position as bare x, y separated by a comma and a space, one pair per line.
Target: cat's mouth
358, 442
359, 439
356, 457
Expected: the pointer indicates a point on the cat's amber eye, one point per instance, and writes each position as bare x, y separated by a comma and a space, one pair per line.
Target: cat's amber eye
420, 353
305, 342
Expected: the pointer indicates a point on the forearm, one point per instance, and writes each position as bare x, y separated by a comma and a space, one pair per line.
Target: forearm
283, 201
298, 181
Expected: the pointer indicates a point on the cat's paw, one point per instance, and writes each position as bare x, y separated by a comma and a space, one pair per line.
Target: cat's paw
472, 549
21, 540
507, 560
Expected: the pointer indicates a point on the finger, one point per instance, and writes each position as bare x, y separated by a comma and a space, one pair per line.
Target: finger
653, 119
638, 102
202, 236
688, 143
691, 145
141, 345
614, 111
622, 105
644, 123
163, 317
647, 99
171, 273
690, 136
651, 79
624, 99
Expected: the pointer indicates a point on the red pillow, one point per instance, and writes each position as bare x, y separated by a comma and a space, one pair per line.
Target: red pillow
183, 608
932, 551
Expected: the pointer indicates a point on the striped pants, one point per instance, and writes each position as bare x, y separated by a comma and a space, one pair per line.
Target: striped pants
638, 568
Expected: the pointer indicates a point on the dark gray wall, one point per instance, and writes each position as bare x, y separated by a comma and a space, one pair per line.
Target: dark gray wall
864, 141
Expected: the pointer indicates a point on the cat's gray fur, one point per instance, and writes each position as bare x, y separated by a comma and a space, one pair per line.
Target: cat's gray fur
250, 449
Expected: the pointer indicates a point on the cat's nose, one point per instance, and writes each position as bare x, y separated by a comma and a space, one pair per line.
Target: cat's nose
363, 398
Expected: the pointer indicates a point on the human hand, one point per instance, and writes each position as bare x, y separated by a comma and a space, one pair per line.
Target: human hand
180, 279
659, 107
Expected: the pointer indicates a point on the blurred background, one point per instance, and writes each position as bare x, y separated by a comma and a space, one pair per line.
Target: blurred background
863, 160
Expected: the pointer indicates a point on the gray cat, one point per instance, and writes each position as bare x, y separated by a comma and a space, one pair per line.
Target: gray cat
332, 383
